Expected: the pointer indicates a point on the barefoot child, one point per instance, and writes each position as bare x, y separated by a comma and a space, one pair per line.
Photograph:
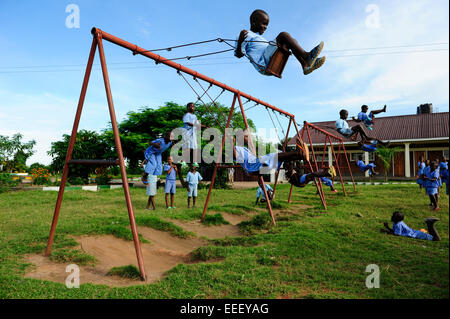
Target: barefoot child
259, 51
399, 228
153, 165
193, 178
363, 167
171, 179
328, 182
368, 120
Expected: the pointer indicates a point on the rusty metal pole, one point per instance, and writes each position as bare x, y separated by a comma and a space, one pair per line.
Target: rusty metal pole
123, 171
284, 150
338, 168
349, 167
316, 180
219, 156
65, 174
290, 193
269, 206
241, 106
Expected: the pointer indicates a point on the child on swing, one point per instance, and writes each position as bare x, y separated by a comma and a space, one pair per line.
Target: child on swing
368, 120
259, 51
297, 179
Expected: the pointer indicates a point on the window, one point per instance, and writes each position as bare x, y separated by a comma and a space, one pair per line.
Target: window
355, 156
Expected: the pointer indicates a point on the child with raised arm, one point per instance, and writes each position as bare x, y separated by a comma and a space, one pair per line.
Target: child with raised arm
171, 179
153, 165
259, 51
363, 167
260, 196
193, 178
368, 120
399, 228
432, 184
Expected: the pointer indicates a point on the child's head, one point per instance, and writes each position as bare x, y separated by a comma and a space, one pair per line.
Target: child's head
170, 160
192, 168
427, 162
259, 20
360, 157
190, 107
364, 108
168, 137
397, 217
444, 159
422, 158
433, 165
343, 114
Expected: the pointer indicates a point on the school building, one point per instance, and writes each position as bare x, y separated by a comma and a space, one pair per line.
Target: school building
419, 134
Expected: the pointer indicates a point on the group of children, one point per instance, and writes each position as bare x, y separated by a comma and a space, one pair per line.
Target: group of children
431, 175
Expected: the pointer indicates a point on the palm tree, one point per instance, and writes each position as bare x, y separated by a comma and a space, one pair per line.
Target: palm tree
387, 155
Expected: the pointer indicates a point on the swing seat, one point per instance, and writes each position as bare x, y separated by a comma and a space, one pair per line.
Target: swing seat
278, 62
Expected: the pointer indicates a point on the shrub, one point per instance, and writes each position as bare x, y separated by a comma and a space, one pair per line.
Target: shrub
6, 182
40, 175
102, 175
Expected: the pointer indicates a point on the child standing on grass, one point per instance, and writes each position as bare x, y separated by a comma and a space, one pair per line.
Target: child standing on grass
432, 185
153, 166
443, 170
260, 51
399, 228
193, 178
171, 179
420, 167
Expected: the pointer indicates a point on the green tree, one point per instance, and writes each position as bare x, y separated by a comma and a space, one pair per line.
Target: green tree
387, 156
88, 145
14, 152
143, 126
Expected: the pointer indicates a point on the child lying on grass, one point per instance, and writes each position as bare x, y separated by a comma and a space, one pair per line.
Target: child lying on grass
399, 228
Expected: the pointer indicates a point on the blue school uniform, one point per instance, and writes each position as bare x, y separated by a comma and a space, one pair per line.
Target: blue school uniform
190, 132
171, 179
421, 167
363, 167
153, 157
366, 119
372, 147
425, 172
260, 192
343, 128
432, 186
193, 179
258, 52
444, 175
401, 229
327, 181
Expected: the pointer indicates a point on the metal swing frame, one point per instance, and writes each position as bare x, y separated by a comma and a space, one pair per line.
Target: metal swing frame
97, 42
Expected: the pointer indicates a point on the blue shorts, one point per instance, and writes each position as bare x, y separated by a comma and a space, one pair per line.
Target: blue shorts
347, 132
170, 186
192, 190
432, 190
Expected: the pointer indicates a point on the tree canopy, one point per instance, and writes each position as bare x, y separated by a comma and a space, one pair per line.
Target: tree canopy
14, 152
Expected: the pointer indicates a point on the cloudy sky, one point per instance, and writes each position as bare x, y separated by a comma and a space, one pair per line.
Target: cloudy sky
378, 52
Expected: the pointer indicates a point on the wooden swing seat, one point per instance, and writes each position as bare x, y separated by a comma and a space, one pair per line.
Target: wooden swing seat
278, 62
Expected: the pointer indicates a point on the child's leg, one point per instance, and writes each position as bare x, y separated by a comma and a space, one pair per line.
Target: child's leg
151, 201
431, 229
436, 199
378, 111
189, 202
167, 200
172, 199
286, 41
433, 201
193, 201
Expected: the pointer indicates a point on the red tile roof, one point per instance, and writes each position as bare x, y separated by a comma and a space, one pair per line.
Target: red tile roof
403, 127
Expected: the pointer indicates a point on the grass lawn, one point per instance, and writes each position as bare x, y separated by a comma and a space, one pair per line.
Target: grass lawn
310, 254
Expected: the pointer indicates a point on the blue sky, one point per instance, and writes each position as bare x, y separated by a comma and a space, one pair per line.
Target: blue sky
401, 61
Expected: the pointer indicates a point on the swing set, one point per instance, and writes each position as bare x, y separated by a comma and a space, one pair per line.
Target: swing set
308, 128
97, 42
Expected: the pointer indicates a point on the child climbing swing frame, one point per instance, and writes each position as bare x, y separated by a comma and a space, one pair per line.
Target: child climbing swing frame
97, 42
328, 139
